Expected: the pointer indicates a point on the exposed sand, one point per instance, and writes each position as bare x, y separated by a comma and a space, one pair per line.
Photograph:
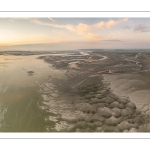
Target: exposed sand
135, 90
91, 102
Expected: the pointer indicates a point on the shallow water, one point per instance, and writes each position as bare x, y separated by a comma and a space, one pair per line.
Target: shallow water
20, 93
35, 97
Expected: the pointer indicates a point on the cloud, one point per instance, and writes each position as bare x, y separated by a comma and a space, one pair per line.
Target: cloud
92, 36
108, 24
17, 18
51, 19
78, 29
113, 40
141, 28
81, 27
127, 28
37, 21
96, 37
84, 27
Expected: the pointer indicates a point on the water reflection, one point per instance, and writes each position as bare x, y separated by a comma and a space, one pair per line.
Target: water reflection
19, 92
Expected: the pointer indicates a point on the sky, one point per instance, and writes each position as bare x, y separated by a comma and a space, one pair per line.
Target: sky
52, 34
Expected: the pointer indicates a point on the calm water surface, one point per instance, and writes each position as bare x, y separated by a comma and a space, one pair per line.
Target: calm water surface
19, 92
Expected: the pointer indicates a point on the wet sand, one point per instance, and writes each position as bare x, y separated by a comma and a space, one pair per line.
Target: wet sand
95, 91
135, 88
89, 101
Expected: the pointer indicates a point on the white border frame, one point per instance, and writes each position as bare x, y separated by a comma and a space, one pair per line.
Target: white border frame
72, 14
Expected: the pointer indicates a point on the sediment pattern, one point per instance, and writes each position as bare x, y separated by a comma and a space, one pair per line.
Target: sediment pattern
87, 101
94, 109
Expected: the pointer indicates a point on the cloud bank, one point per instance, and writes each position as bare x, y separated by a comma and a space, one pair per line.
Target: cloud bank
141, 28
81, 27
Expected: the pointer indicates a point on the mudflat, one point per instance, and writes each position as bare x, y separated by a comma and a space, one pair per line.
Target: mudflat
105, 91
75, 91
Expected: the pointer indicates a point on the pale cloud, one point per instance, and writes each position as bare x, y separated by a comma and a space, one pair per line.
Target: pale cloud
91, 36
96, 37
84, 27
141, 28
109, 23
81, 27
51, 19
113, 40
37, 21
17, 18
127, 28
103, 24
